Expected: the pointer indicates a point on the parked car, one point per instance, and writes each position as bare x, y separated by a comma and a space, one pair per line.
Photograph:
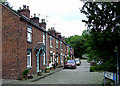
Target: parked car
78, 62
99, 62
93, 62
70, 64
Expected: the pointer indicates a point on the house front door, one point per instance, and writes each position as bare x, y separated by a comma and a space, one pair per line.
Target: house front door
38, 63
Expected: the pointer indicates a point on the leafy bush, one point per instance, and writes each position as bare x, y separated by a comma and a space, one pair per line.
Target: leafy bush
92, 69
26, 71
65, 60
96, 68
68, 58
47, 68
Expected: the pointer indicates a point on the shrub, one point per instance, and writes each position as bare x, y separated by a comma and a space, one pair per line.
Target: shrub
65, 60
47, 68
92, 69
68, 58
96, 68
49, 61
26, 71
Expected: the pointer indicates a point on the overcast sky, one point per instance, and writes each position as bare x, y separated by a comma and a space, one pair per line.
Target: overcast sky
64, 15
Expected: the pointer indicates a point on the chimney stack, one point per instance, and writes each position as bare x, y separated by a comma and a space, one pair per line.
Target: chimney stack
52, 31
63, 38
43, 20
42, 24
57, 34
35, 19
25, 11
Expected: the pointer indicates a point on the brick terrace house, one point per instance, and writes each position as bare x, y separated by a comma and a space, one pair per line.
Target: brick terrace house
27, 45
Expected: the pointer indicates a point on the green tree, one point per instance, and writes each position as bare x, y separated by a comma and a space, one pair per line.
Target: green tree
78, 43
6, 3
104, 34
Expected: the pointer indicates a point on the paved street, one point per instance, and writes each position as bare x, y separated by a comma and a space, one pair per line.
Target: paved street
81, 75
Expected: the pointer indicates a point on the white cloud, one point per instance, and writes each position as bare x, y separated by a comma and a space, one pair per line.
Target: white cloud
71, 28
65, 14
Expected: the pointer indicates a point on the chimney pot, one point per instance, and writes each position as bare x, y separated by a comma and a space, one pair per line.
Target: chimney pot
43, 20
28, 7
34, 15
19, 8
24, 6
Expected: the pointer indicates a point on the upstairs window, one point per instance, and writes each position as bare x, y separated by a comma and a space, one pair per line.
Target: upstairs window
29, 34
57, 44
43, 38
51, 42
61, 45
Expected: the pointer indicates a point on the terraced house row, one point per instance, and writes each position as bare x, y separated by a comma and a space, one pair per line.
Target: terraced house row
26, 44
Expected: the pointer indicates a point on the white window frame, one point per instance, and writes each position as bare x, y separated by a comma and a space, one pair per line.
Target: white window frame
43, 38
57, 59
56, 43
30, 56
61, 57
51, 59
51, 42
29, 34
50, 64
44, 58
61, 45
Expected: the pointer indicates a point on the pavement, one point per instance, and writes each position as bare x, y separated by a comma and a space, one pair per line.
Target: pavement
35, 78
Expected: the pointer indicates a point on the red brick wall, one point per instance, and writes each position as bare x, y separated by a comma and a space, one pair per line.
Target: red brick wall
14, 39
14, 44
49, 48
11, 35
59, 52
53, 49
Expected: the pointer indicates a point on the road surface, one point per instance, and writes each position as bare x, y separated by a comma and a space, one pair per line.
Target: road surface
80, 75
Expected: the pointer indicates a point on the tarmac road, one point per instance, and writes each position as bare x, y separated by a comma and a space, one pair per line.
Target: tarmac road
80, 75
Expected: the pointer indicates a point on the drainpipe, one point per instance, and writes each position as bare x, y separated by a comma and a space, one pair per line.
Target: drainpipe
46, 51
60, 52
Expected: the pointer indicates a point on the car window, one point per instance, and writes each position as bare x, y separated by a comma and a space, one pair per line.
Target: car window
77, 60
70, 61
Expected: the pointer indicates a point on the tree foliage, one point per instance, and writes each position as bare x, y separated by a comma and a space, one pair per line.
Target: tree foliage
6, 3
102, 21
78, 43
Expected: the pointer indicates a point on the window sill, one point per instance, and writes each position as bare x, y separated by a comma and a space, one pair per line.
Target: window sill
51, 46
29, 42
44, 64
30, 67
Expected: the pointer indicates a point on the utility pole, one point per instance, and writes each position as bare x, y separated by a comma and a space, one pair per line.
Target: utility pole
118, 60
